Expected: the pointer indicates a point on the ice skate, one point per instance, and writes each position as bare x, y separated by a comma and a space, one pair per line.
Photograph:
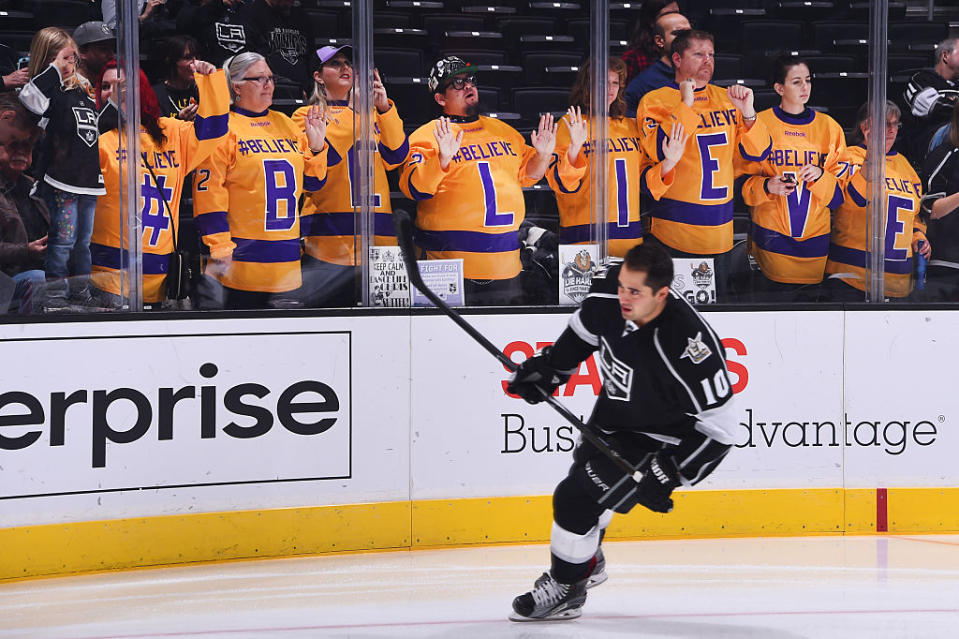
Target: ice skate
550, 600
599, 574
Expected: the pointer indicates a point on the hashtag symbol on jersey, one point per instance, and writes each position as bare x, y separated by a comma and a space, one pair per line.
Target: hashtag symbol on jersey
153, 200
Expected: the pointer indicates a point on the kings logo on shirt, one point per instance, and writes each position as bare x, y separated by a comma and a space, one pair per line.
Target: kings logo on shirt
696, 350
231, 37
86, 125
617, 376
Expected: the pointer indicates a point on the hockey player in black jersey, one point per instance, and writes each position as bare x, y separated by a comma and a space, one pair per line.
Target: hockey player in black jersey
666, 407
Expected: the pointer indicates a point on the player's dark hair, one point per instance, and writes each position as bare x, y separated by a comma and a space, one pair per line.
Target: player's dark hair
174, 48
783, 64
579, 94
654, 261
684, 40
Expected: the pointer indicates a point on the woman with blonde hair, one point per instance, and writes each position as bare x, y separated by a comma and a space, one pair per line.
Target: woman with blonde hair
624, 163
328, 224
68, 171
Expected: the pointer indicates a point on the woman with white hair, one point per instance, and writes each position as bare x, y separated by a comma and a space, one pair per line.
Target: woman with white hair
245, 195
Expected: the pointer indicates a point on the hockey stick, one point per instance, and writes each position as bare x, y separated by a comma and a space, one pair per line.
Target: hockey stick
404, 237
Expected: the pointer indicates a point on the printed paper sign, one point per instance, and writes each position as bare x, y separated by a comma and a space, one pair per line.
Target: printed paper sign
389, 283
695, 279
577, 263
443, 277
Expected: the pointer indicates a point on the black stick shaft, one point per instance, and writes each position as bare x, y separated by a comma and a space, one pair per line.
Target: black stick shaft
404, 236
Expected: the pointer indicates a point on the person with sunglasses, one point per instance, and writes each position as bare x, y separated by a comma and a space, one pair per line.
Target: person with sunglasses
328, 223
905, 231
467, 172
245, 195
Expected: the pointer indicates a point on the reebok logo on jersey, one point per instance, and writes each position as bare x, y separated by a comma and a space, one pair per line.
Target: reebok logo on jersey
795, 134
696, 350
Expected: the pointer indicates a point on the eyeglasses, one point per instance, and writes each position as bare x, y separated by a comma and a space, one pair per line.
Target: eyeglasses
890, 126
262, 80
460, 81
338, 63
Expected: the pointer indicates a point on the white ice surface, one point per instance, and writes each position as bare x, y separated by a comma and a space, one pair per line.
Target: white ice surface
783, 588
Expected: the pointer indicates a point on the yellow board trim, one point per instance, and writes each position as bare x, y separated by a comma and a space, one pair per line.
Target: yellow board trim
56, 549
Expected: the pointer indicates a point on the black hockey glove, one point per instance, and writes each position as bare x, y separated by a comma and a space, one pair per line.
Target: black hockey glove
536, 379
660, 477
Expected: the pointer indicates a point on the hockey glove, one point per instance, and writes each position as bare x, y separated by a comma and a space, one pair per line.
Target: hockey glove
660, 477
536, 379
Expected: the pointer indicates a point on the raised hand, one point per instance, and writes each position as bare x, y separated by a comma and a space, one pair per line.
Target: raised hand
742, 98
316, 128
673, 147
203, 68
380, 100
687, 91
578, 132
449, 144
188, 113
544, 137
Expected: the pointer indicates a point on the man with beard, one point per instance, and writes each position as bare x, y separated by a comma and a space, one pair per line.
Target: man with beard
286, 34
467, 173
96, 45
24, 219
693, 213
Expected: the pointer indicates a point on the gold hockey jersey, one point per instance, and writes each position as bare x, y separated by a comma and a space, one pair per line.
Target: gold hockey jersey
245, 199
850, 227
187, 144
328, 222
789, 236
625, 161
693, 212
474, 208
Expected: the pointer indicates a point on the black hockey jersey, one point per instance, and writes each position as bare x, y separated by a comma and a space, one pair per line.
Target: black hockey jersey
940, 178
667, 378
69, 118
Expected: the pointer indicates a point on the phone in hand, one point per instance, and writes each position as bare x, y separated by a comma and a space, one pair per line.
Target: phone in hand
789, 179
23, 62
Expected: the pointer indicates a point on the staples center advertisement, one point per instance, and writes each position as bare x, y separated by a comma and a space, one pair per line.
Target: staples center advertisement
787, 372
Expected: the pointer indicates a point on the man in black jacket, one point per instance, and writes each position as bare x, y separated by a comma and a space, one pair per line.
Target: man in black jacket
219, 28
930, 96
24, 219
666, 407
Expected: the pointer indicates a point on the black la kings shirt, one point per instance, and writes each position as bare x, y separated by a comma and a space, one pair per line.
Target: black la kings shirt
71, 153
667, 378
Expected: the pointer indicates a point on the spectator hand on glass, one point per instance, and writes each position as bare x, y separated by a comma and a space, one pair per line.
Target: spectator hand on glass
578, 132
316, 128
380, 100
673, 147
449, 144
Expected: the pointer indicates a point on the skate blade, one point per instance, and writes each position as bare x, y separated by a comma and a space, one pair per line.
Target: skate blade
595, 580
563, 615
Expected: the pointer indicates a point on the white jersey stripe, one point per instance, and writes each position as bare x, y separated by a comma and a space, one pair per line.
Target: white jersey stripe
576, 324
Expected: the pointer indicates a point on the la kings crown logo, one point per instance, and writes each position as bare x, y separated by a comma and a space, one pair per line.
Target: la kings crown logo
86, 125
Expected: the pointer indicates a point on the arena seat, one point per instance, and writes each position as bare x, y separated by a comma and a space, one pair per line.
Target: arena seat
402, 62
771, 35
535, 63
